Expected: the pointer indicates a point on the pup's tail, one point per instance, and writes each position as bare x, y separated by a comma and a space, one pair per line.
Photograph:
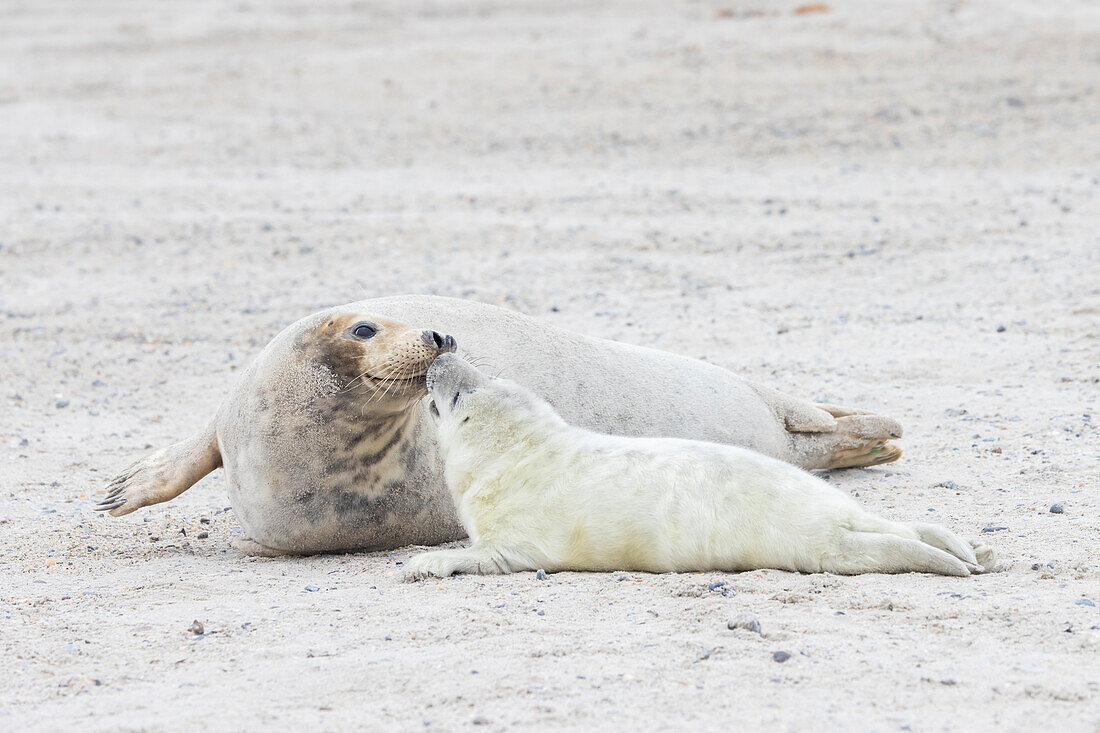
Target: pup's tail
164, 474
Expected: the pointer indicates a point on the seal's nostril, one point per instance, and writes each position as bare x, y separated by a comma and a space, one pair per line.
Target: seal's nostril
432, 338
449, 343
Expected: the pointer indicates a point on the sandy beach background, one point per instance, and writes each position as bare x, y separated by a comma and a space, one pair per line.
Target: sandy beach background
886, 205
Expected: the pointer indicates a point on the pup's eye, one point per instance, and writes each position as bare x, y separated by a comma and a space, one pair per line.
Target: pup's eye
433, 409
454, 401
364, 331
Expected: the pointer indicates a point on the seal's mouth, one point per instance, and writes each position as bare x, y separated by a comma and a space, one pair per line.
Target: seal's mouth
404, 380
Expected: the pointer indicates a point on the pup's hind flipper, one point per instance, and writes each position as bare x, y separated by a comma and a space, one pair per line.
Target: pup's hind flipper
946, 540
875, 552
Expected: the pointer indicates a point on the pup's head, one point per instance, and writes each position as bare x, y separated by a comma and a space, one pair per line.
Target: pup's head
477, 410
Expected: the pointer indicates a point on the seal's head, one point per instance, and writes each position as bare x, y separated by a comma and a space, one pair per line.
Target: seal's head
474, 409
376, 361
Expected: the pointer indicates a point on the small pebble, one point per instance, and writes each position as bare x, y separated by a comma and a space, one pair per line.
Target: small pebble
202, 535
994, 529
1083, 602
951, 485
196, 628
1057, 508
620, 576
312, 588
716, 585
744, 621
1000, 329
781, 656
61, 403
481, 721
204, 520
540, 574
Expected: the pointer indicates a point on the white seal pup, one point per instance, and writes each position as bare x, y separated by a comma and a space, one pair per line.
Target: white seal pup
535, 492
327, 446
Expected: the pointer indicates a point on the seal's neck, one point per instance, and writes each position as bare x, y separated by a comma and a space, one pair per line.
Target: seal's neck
374, 430
490, 456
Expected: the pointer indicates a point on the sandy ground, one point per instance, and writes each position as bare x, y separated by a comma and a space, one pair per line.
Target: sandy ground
890, 205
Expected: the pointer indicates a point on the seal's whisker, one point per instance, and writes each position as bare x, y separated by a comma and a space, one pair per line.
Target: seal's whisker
351, 384
481, 363
391, 381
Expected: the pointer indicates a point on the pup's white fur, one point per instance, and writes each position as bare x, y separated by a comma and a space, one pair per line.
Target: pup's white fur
534, 492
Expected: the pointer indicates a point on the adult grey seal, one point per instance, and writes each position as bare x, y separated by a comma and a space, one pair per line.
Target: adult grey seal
328, 446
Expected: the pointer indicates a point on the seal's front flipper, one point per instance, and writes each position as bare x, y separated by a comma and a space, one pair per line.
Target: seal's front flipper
163, 475
474, 560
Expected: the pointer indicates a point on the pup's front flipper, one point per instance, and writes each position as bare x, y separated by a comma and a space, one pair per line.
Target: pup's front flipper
475, 560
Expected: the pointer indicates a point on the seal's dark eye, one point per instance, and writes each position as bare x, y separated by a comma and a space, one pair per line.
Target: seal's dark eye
364, 331
454, 401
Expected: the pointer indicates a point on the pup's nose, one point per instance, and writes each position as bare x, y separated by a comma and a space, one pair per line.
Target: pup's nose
440, 343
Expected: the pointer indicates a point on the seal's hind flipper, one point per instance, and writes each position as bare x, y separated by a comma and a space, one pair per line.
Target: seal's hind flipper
802, 417
877, 552
837, 411
163, 475
864, 456
858, 441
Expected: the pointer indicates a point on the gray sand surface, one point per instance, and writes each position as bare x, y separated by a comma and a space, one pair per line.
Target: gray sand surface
887, 205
